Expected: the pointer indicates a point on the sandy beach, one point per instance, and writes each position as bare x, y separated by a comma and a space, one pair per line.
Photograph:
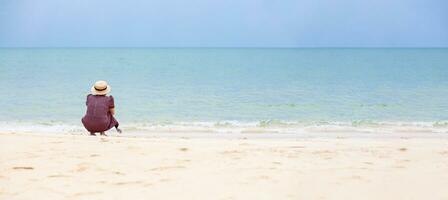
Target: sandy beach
40, 166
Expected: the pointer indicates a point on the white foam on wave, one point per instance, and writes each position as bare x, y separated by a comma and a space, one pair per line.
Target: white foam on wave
37, 127
236, 127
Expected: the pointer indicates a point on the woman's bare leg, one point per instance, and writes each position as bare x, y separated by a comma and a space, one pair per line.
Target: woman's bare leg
92, 134
103, 134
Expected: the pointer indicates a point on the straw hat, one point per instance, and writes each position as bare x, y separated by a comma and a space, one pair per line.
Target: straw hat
100, 88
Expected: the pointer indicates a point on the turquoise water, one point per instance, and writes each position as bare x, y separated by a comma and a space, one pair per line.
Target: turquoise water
238, 85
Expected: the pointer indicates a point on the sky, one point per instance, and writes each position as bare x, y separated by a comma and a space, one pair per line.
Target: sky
223, 23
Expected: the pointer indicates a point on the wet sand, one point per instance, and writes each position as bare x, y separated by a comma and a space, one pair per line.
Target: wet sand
47, 166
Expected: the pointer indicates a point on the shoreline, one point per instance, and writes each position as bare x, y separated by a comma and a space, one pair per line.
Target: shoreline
276, 129
243, 136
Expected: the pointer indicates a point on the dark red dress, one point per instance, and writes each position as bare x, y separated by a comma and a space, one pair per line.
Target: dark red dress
98, 118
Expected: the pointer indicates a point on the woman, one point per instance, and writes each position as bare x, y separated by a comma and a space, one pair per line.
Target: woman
100, 110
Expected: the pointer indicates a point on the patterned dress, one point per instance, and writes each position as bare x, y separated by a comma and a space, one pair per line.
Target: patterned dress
98, 118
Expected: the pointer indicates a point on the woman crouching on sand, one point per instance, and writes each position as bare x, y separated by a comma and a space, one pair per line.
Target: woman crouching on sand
100, 110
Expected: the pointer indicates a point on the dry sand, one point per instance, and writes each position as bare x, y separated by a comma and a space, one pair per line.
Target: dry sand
39, 166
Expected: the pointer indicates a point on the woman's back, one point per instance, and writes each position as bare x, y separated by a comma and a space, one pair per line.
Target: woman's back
98, 105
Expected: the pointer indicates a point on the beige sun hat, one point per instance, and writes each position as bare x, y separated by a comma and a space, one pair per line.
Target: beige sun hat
100, 88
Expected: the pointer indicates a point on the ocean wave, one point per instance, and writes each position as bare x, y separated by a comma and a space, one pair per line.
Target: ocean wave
264, 126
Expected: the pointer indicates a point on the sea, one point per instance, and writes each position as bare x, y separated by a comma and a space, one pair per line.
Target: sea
229, 90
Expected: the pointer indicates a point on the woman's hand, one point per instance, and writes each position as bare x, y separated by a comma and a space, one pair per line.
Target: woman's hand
112, 111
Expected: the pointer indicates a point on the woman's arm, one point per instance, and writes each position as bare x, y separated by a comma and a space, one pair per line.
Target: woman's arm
111, 105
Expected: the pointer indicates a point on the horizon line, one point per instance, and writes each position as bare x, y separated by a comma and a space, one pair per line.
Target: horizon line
223, 47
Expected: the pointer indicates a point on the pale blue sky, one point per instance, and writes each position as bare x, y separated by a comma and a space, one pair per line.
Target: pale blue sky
223, 23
